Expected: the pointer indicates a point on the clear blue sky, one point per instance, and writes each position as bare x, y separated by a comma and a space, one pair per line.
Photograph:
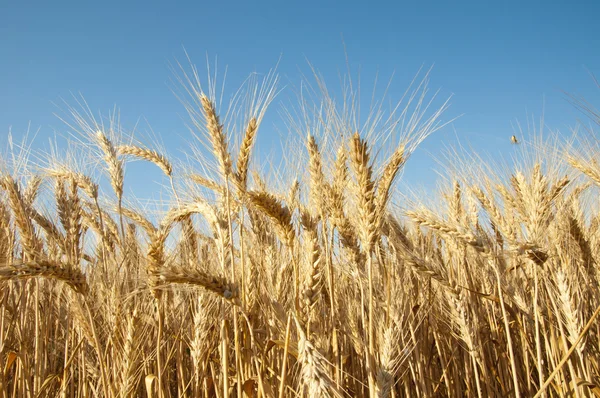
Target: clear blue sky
499, 59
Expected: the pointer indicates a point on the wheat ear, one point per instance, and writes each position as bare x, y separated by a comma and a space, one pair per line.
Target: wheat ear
385, 183
278, 213
217, 135
20, 209
114, 164
366, 205
243, 160
47, 269
149, 155
214, 284
313, 365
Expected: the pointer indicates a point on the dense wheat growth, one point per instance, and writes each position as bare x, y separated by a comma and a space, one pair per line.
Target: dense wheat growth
323, 281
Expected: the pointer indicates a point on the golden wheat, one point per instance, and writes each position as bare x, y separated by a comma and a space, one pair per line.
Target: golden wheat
492, 292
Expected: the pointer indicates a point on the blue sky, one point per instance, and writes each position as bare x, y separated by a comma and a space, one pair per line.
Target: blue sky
500, 60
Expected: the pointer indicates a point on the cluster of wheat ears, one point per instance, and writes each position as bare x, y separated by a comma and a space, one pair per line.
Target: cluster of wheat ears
319, 287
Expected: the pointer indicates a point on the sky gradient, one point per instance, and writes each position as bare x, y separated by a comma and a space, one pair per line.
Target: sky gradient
501, 61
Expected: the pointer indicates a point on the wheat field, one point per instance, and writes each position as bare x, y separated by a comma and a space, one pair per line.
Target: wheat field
326, 281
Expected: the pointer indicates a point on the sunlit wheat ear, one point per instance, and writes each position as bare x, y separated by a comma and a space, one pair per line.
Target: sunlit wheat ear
348, 235
519, 186
62, 204
204, 317
579, 236
455, 205
21, 216
32, 189
359, 154
385, 184
131, 354
568, 305
558, 188
278, 213
6, 235
311, 284
140, 220
313, 365
424, 218
188, 236
317, 179
497, 217
590, 169
198, 206
293, 197
156, 261
214, 284
510, 202
47, 269
243, 160
340, 173
149, 155
420, 267
217, 136
114, 164
83, 181
74, 233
